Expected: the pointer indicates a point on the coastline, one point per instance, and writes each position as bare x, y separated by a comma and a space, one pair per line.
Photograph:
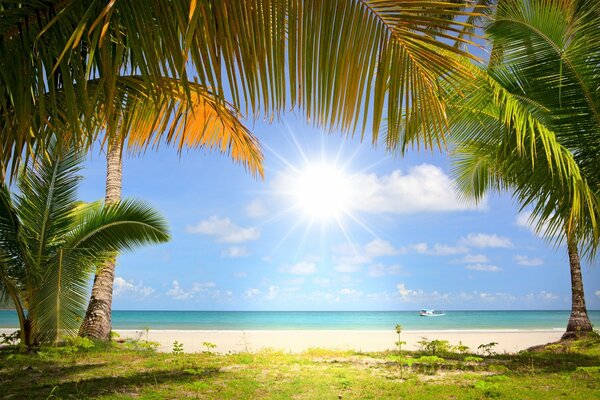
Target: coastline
296, 341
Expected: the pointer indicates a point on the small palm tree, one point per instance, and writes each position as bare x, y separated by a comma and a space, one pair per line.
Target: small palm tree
50, 245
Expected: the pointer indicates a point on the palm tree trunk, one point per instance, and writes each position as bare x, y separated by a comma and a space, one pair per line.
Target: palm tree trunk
97, 322
579, 322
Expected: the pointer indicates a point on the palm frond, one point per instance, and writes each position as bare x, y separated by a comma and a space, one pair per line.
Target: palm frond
117, 227
332, 59
47, 197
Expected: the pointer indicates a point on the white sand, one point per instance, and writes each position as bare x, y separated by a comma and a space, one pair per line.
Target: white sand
296, 341
300, 340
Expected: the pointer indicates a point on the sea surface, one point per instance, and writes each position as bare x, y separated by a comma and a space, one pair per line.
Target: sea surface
332, 320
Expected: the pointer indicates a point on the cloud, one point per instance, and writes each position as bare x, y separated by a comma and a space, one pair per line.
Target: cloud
425, 188
224, 230
446, 250
301, 268
240, 274
597, 293
178, 293
256, 209
350, 258
321, 281
474, 259
483, 267
272, 293
252, 292
350, 292
379, 270
235, 252
347, 268
403, 291
525, 261
483, 240
123, 287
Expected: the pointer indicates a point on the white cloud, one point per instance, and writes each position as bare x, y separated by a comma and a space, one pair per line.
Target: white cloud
252, 292
272, 293
474, 259
301, 268
347, 268
425, 188
403, 291
446, 250
295, 281
178, 293
235, 252
525, 261
379, 248
350, 258
240, 274
483, 240
483, 267
350, 292
597, 292
548, 296
123, 287
256, 209
224, 230
379, 270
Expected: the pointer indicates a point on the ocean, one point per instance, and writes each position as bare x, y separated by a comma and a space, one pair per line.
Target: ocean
332, 320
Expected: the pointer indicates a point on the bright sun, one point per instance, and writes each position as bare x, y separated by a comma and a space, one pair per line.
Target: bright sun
322, 191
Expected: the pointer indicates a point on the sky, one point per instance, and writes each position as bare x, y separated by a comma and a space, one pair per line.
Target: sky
336, 224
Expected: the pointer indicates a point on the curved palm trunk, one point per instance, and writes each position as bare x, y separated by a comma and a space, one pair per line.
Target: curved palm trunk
97, 322
579, 322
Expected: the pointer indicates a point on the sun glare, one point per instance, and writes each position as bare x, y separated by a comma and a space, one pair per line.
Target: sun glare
322, 191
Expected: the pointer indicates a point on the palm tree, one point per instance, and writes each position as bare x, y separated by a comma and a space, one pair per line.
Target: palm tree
50, 244
544, 80
201, 122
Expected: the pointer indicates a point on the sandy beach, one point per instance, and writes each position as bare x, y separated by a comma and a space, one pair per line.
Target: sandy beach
374, 340
509, 341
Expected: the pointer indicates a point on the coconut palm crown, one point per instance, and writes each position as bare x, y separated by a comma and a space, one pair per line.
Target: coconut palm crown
50, 244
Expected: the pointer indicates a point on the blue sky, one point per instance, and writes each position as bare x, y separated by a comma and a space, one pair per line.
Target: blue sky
402, 239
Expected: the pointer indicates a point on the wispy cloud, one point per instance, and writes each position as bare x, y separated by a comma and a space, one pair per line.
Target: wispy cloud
379, 270
483, 268
224, 230
125, 288
256, 209
301, 268
526, 261
198, 288
235, 252
482, 240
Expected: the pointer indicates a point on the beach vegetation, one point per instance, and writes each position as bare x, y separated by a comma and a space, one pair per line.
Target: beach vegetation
487, 348
177, 348
209, 346
118, 371
50, 244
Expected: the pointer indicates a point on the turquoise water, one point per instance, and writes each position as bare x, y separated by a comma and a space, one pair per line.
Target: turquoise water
333, 320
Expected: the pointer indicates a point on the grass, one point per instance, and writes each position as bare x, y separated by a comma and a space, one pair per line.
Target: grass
570, 370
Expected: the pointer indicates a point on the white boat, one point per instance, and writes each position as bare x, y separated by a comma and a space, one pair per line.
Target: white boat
431, 313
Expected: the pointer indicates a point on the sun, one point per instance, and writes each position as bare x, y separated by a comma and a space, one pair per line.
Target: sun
322, 191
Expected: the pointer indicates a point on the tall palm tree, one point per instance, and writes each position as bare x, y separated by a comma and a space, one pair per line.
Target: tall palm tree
544, 80
50, 244
201, 122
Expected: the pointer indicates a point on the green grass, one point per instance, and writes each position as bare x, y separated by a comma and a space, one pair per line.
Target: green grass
126, 371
